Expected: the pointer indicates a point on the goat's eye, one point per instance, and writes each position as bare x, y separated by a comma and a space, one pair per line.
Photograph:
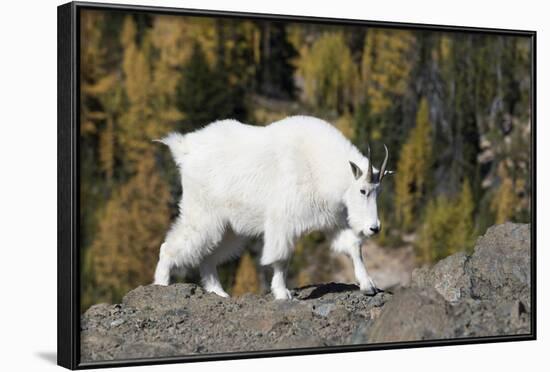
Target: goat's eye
363, 192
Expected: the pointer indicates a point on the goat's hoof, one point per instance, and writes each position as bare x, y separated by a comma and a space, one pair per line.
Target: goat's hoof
282, 294
220, 292
370, 289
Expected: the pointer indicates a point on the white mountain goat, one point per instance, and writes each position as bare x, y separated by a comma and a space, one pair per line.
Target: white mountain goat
291, 177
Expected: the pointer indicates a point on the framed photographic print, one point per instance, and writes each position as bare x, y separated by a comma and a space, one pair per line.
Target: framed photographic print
236, 185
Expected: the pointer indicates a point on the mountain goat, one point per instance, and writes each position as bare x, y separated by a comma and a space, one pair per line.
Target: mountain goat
293, 176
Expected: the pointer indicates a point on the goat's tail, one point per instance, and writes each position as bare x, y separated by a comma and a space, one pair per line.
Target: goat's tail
177, 144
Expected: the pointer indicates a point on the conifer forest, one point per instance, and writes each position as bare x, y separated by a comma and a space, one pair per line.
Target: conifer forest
454, 109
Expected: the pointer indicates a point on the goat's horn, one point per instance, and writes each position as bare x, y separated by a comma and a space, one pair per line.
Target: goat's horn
383, 167
369, 170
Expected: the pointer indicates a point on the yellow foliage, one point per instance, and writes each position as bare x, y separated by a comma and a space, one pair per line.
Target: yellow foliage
464, 224
151, 110
246, 279
92, 51
94, 79
504, 201
103, 85
413, 167
107, 149
447, 227
130, 231
173, 37
386, 66
330, 76
346, 125
135, 65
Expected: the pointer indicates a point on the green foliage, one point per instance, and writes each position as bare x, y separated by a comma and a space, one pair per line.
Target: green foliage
447, 226
413, 168
386, 67
203, 103
275, 73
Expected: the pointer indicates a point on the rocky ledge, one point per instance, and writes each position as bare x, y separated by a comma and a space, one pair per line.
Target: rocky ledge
487, 293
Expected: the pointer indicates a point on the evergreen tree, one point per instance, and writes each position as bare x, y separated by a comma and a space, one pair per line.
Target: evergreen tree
330, 76
384, 100
463, 230
204, 94
386, 66
421, 93
413, 168
97, 101
131, 229
276, 73
447, 227
461, 95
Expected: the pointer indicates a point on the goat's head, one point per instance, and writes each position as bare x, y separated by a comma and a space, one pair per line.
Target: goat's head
361, 197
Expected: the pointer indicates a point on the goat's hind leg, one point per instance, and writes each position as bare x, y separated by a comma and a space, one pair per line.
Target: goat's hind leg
209, 277
230, 247
184, 247
276, 252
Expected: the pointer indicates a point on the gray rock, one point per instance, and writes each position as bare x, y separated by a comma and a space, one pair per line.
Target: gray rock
182, 319
486, 294
324, 309
501, 264
117, 322
413, 314
499, 268
448, 277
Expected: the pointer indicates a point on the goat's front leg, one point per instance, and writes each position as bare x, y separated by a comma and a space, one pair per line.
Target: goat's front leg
278, 282
346, 241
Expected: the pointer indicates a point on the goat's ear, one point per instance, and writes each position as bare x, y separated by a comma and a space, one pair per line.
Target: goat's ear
355, 170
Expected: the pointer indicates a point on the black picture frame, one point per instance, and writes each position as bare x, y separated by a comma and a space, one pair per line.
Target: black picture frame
68, 279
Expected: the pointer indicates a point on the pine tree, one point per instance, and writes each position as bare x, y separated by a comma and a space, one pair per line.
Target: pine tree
246, 278
386, 65
329, 73
204, 94
463, 227
134, 111
447, 226
276, 73
385, 100
464, 143
131, 229
413, 168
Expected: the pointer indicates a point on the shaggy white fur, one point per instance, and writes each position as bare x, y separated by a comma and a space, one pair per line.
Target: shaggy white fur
279, 181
